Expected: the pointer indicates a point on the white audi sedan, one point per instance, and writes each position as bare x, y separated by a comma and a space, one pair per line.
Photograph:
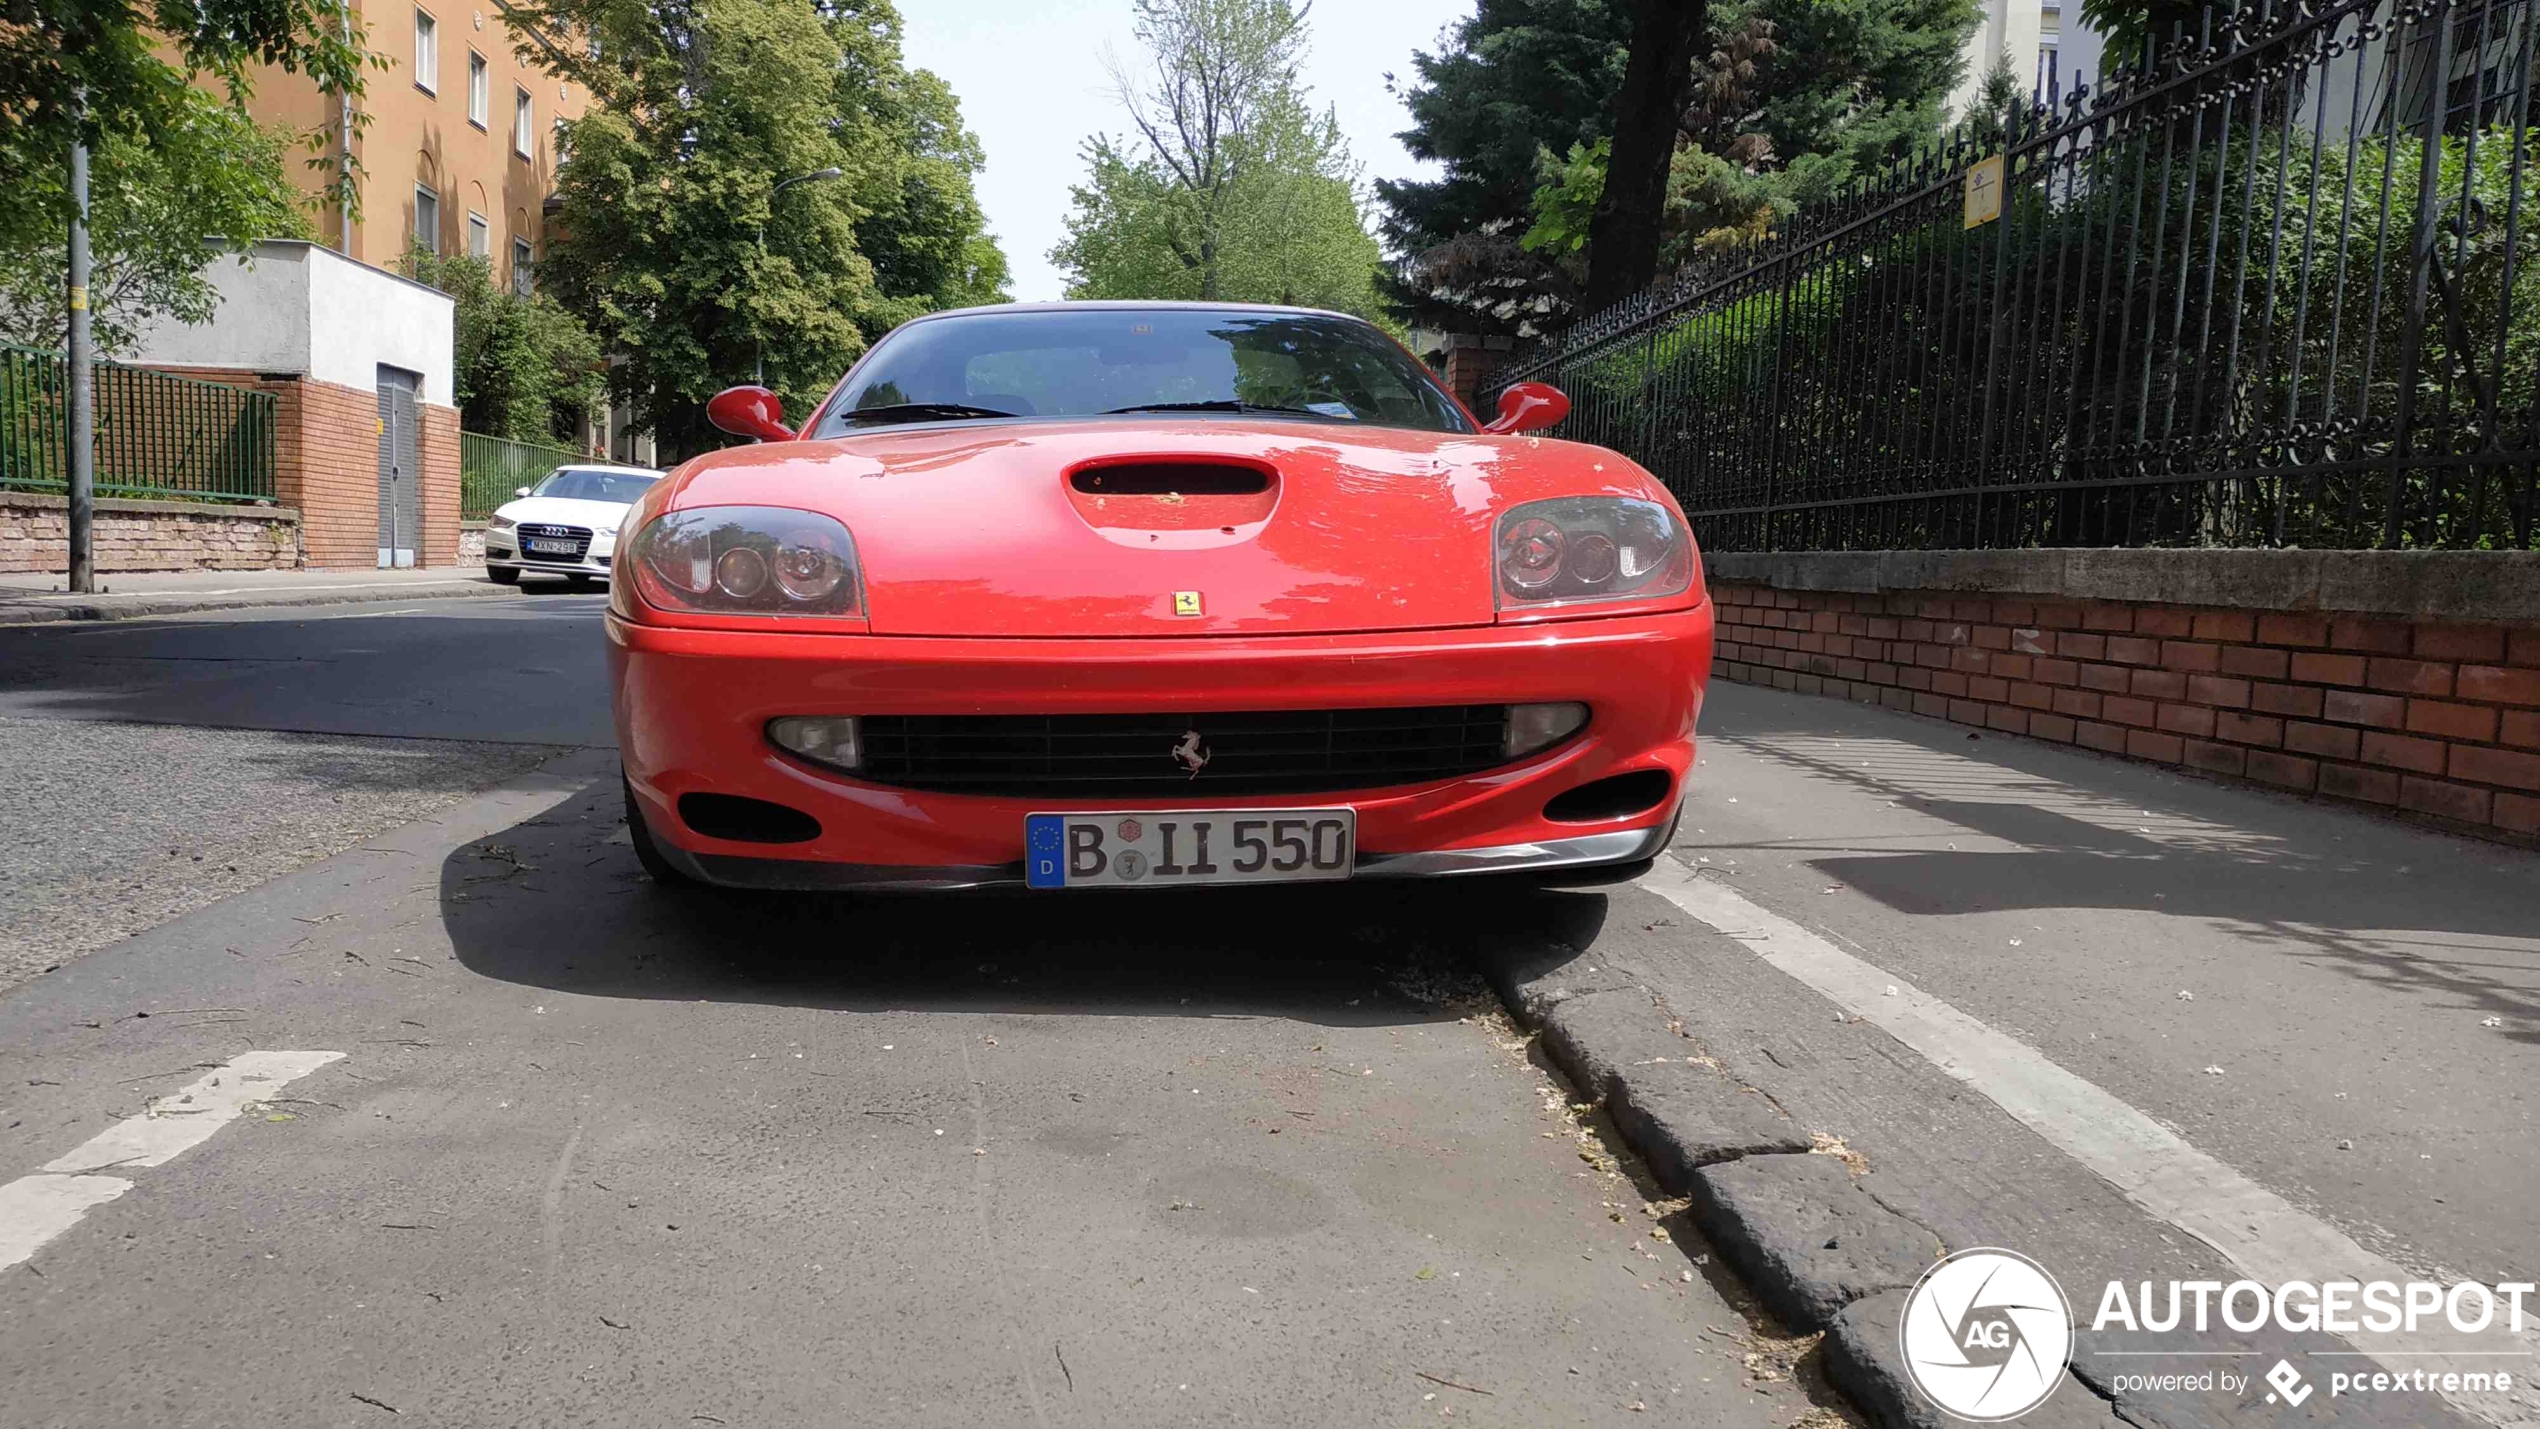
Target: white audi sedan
566, 525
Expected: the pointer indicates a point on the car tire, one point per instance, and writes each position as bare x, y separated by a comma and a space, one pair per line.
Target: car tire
503, 575
647, 852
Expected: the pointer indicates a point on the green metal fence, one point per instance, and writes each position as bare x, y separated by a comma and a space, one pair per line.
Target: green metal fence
157, 435
492, 468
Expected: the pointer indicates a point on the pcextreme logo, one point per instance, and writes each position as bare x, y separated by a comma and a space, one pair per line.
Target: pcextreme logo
1986, 1335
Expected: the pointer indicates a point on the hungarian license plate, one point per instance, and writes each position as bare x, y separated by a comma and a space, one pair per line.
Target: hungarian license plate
555, 548
1189, 846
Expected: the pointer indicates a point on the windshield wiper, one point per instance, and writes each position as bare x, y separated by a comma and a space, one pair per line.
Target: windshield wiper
1218, 406
923, 412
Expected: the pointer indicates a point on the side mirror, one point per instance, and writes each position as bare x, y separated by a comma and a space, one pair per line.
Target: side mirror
520, 491
749, 412
1529, 407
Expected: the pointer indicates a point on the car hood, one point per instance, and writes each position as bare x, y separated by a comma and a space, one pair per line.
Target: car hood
1060, 528
558, 511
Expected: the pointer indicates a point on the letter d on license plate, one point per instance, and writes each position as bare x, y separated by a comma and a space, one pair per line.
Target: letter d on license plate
1152, 849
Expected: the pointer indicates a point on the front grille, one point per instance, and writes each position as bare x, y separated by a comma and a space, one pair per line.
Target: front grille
580, 536
1132, 755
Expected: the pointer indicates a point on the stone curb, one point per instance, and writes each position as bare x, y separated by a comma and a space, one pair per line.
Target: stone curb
1756, 1191
140, 607
1815, 1247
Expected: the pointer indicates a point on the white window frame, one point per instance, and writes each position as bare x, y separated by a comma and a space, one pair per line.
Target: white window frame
480, 237
427, 51
524, 123
479, 88
428, 234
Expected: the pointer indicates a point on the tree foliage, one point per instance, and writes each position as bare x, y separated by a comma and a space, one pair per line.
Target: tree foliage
1790, 100
161, 210
1232, 187
674, 245
526, 369
120, 68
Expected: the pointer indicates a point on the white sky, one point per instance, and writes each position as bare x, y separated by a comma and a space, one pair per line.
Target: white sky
1033, 87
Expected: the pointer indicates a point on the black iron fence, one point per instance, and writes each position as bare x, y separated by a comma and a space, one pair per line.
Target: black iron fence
157, 435
2275, 285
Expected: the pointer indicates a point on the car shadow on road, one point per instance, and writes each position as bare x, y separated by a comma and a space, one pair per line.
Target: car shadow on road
558, 902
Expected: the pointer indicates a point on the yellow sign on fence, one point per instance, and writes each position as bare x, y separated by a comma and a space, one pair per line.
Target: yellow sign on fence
1984, 191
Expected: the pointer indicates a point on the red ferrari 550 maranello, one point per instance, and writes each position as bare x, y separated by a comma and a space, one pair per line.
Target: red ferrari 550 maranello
1149, 595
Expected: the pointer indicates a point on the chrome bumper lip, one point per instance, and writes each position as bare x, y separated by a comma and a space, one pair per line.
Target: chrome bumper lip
797, 875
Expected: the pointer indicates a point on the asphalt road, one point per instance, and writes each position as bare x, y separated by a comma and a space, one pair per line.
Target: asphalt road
599, 1150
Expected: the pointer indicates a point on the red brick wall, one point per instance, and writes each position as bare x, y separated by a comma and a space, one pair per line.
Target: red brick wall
2436, 720
327, 465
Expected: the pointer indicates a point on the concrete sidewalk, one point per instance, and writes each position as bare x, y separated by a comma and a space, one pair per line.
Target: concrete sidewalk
40, 599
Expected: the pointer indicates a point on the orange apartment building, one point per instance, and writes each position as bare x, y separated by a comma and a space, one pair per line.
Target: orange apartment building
459, 153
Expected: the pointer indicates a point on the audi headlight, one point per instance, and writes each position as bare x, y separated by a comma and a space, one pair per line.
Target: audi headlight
1588, 548
747, 560
501, 523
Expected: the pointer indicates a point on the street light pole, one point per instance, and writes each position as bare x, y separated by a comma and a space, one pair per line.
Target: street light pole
758, 370
82, 566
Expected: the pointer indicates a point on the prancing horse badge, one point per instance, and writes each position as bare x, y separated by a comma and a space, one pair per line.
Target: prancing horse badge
1186, 602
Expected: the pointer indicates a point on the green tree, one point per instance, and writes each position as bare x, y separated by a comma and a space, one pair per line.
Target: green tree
100, 68
161, 210
1287, 227
526, 368
675, 248
1790, 100
1233, 188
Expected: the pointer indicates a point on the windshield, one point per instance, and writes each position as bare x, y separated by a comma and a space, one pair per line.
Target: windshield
576, 484
1089, 361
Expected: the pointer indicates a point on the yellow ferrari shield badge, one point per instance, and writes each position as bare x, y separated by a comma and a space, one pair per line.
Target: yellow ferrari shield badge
1186, 602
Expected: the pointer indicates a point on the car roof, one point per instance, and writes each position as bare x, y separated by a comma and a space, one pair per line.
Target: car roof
1130, 305
608, 466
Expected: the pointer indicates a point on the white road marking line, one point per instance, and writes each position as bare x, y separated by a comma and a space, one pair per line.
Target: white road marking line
175, 1124
2259, 1231
34, 1209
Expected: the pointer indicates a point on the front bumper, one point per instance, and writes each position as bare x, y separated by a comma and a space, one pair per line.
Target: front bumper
502, 548
692, 708
1551, 857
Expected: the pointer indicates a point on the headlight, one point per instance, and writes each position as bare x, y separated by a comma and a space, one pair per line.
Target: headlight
501, 523
747, 560
608, 531
1587, 548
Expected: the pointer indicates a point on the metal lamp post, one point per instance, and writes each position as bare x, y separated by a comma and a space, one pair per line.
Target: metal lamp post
758, 372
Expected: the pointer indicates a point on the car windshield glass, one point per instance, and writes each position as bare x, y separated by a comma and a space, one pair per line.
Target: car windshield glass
576, 484
1083, 362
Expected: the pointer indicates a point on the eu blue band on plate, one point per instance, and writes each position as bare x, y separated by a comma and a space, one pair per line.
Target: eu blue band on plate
1044, 846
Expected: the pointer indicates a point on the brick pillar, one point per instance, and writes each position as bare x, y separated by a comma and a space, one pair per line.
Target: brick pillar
438, 444
1470, 360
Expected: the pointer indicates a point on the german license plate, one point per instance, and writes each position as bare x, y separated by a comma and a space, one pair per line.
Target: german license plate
555, 548
1189, 846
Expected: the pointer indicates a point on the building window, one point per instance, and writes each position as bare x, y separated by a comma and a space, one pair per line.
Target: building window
480, 237
427, 53
476, 100
524, 124
520, 266
427, 219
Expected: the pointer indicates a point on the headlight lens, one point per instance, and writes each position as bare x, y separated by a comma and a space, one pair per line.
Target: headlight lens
1587, 548
501, 523
747, 560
